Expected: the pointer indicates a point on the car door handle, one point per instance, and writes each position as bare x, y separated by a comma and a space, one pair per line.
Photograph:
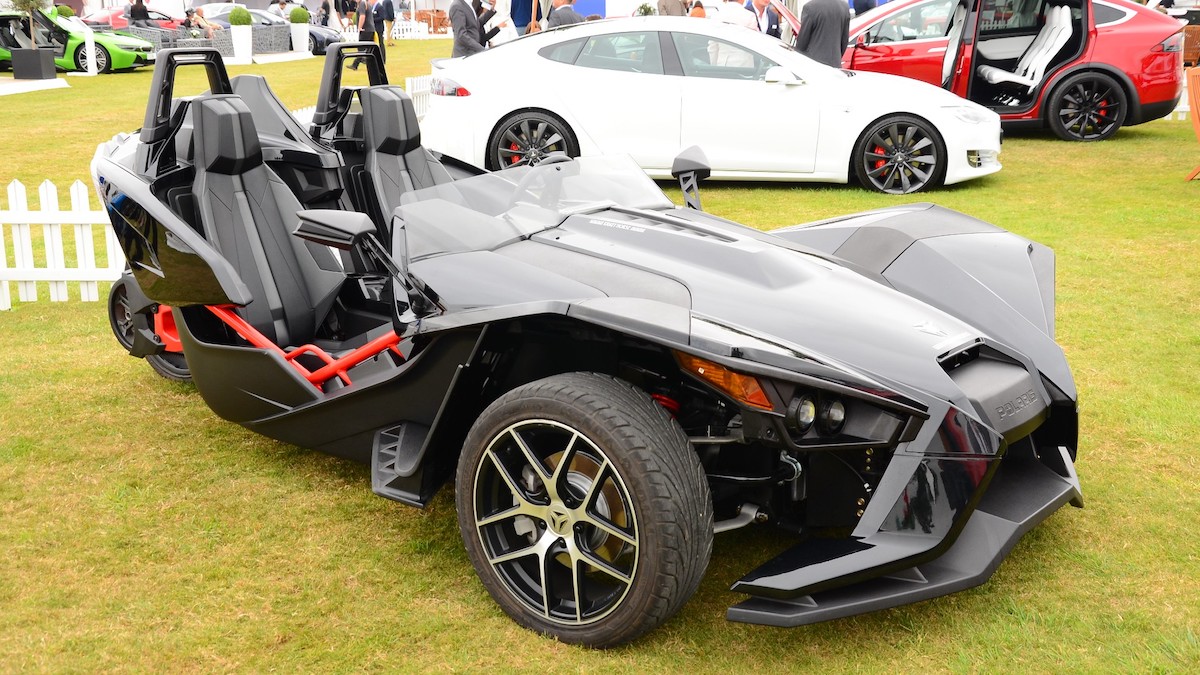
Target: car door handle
936, 50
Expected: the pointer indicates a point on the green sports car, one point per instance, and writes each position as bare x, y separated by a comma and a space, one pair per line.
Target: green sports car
112, 51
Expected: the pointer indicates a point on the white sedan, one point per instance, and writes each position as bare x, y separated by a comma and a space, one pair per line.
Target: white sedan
650, 86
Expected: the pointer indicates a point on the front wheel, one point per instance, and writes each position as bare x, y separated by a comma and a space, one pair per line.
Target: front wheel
103, 61
899, 155
1087, 107
312, 46
528, 137
584, 509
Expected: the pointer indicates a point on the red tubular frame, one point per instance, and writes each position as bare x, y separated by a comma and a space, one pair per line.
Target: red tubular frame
333, 367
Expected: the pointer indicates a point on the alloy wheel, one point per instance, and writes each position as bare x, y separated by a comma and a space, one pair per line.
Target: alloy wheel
899, 157
556, 522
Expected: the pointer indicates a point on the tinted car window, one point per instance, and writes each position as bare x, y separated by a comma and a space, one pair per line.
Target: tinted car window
703, 56
927, 20
1106, 14
999, 16
626, 52
563, 52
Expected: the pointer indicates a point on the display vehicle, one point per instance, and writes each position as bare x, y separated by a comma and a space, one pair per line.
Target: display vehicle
67, 40
607, 379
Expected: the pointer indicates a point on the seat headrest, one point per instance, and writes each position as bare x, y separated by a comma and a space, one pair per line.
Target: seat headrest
224, 135
391, 120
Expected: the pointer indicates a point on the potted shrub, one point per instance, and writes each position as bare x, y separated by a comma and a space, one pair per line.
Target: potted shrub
299, 18
33, 63
239, 30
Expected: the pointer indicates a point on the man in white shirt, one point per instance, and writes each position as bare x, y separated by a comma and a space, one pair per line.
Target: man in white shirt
732, 11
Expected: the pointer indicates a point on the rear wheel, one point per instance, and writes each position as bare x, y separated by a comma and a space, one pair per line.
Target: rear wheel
900, 154
103, 61
1087, 107
312, 46
583, 509
527, 137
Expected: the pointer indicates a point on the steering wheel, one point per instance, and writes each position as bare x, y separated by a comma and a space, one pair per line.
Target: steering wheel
526, 181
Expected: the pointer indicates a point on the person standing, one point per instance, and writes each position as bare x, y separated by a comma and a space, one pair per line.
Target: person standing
388, 10
279, 9
732, 11
672, 8
697, 9
139, 15
863, 6
502, 22
366, 28
467, 32
564, 14
383, 15
824, 31
767, 19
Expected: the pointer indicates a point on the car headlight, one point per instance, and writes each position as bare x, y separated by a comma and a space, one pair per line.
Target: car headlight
968, 114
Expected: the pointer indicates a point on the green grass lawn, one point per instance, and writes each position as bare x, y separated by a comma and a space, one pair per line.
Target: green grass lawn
141, 533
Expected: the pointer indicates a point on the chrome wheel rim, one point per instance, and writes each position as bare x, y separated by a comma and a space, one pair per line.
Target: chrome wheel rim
1090, 109
900, 158
101, 58
556, 522
527, 142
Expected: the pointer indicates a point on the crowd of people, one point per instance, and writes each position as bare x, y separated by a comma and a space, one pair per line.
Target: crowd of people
824, 24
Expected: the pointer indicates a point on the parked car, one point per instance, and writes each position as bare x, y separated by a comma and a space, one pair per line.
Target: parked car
118, 17
1083, 69
319, 37
648, 86
112, 51
607, 379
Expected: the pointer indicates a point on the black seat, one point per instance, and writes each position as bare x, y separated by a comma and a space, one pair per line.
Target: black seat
394, 158
248, 214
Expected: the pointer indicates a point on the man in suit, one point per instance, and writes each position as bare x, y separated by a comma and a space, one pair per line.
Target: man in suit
824, 31
672, 8
768, 19
563, 14
468, 36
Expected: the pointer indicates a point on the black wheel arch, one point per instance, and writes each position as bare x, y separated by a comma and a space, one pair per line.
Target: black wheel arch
516, 352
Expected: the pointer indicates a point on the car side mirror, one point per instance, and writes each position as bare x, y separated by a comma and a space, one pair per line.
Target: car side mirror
863, 41
689, 168
781, 75
348, 231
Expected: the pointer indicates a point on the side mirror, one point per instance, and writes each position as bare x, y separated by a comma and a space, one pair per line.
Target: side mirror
689, 168
779, 74
863, 41
348, 231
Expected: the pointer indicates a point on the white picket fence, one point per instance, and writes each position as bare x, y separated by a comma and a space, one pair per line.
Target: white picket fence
420, 90
19, 219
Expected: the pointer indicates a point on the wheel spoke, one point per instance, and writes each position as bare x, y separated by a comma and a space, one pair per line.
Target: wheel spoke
531, 458
521, 508
514, 139
609, 528
605, 566
577, 586
557, 482
513, 483
517, 554
925, 142
928, 160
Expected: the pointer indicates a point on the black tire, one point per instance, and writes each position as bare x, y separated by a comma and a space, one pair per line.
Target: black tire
526, 137
103, 59
900, 154
312, 45
120, 314
171, 365
1087, 107
627, 527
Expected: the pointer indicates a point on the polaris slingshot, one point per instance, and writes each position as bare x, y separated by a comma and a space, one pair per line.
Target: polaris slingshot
607, 379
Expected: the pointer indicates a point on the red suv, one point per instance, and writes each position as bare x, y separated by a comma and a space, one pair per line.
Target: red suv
1084, 68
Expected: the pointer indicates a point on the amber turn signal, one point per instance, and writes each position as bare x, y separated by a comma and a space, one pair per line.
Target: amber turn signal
743, 388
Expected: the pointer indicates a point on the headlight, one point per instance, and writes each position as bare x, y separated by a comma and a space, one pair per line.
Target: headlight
802, 412
833, 416
968, 114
